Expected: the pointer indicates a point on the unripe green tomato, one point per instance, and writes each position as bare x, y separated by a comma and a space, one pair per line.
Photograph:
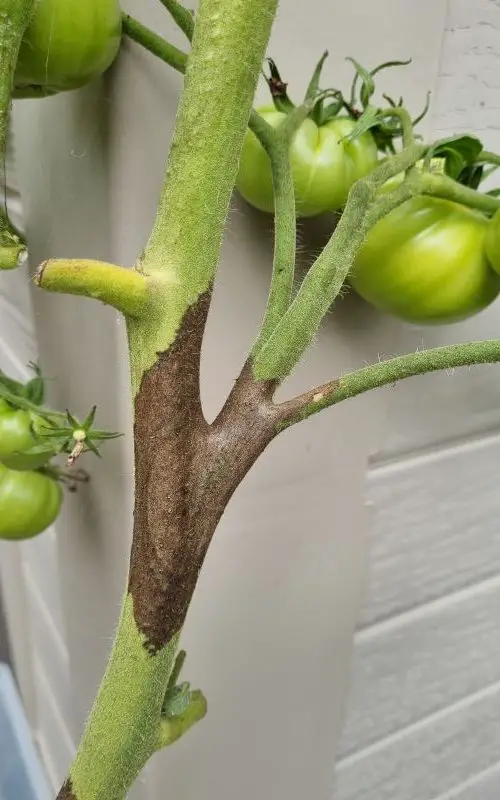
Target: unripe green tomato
12, 256
492, 242
29, 503
67, 44
16, 437
323, 167
425, 263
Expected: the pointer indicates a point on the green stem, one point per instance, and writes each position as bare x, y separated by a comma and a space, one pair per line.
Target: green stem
125, 289
124, 728
181, 16
156, 45
447, 188
171, 437
14, 18
406, 123
276, 142
206, 149
487, 157
327, 275
388, 372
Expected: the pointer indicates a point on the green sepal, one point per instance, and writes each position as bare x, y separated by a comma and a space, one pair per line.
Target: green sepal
177, 700
34, 390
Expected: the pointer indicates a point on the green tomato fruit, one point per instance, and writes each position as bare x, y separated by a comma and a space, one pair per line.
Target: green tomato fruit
16, 437
492, 242
29, 503
323, 166
67, 44
425, 263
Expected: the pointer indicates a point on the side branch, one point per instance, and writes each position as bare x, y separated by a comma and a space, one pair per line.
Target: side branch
387, 372
181, 16
276, 143
151, 41
127, 290
323, 282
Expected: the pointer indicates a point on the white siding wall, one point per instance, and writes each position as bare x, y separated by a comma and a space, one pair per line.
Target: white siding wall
424, 714
424, 710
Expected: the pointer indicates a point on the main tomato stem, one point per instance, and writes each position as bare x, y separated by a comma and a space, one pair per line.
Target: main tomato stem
14, 18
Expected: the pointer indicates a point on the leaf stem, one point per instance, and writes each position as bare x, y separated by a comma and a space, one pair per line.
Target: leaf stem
151, 41
127, 290
447, 188
327, 275
181, 16
276, 143
388, 372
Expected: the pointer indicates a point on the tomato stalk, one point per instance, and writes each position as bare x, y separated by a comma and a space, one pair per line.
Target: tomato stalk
298, 327
276, 143
126, 290
388, 373
14, 19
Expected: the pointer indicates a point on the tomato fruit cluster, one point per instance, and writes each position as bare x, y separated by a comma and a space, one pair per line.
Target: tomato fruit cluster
324, 164
29, 503
67, 44
429, 261
17, 439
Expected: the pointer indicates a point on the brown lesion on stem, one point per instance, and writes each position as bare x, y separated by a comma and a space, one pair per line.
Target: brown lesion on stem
305, 405
66, 792
186, 471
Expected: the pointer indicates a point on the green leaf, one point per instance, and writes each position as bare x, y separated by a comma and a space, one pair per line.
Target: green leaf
180, 660
89, 420
72, 420
471, 176
313, 87
424, 111
458, 151
388, 65
34, 391
12, 386
367, 82
177, 700
331, 111
368, 120
494, 192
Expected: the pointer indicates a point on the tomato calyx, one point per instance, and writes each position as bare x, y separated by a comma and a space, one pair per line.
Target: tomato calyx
51, 431
74, 437
357, 107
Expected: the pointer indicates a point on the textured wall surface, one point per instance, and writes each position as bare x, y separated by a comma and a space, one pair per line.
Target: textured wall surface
424, 712
278, 601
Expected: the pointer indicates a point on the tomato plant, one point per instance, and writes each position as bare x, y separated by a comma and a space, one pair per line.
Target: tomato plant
29, 503
324, 164
17, 439
67, 44
425, 262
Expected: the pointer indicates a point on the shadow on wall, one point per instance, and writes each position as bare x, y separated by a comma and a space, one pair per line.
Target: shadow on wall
4, 641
